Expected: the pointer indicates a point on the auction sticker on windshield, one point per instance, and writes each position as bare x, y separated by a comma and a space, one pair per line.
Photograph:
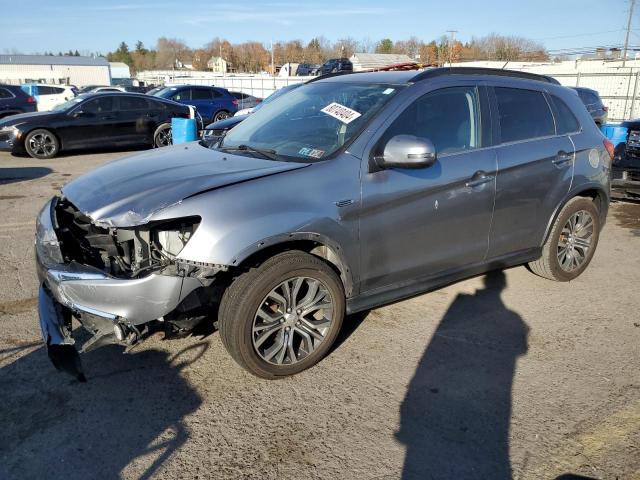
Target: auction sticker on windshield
311, 152
342, 113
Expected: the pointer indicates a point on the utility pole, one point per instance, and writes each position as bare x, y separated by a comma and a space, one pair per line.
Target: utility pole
451, 34
626, 38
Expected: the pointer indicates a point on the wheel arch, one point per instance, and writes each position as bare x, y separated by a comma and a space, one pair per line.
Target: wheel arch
26, 132
596, 193
314, 244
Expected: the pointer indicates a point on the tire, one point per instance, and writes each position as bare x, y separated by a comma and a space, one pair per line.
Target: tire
162, 136
41, 144
221, 115
564, 256
243, 330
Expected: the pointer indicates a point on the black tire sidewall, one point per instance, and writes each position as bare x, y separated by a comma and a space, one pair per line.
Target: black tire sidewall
570, 209
223, 112
245, 309
36, 132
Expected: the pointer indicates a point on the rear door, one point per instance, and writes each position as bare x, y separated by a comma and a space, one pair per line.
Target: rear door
535, 168
202, 99
7, 101
136, 119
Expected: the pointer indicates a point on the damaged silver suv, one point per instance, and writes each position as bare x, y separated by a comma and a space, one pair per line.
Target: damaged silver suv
350, 192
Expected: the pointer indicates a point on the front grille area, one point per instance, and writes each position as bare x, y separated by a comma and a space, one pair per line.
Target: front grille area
81, 241
633, 141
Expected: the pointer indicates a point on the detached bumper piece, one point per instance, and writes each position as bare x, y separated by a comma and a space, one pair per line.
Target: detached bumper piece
55, 324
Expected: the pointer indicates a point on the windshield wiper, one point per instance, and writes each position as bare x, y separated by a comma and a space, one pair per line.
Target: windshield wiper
265, 152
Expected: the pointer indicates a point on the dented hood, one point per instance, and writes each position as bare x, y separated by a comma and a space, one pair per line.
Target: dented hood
127, 192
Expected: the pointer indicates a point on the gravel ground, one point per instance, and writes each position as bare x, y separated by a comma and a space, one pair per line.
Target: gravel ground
504, 376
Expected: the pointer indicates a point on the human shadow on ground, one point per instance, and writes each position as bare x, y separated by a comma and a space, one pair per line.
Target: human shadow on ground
129, 414
456, 413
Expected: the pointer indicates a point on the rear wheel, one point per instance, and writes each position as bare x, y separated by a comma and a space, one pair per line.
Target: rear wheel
41, 144
571, 243
162, 136
221, 115
283, 316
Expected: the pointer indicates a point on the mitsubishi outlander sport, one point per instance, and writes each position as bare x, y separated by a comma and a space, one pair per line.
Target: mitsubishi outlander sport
351, 192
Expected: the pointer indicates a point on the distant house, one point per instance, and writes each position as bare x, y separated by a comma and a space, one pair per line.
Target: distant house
217, 64
79, 71
367, 61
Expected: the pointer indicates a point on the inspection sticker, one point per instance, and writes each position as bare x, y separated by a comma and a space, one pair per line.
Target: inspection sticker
311, 152
342, 113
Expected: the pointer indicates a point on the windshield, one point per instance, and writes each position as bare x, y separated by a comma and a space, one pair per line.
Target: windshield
61, 107
310, 123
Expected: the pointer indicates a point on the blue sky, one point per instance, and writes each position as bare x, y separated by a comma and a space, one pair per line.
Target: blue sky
89, 25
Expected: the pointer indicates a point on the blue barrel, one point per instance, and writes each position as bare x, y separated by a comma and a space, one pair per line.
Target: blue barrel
615, 133
183, 130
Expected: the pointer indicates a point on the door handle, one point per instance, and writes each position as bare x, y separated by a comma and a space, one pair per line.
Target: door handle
562, 158
479, 178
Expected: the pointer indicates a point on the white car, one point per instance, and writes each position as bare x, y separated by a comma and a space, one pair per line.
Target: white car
48, 96
107, 89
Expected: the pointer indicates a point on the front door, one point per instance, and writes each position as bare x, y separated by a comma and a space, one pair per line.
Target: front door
92, 123
416, 223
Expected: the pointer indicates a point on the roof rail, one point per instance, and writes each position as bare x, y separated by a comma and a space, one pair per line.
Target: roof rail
437, 72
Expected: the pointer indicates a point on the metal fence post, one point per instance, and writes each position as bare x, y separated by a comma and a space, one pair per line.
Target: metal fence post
633, 99
578, 80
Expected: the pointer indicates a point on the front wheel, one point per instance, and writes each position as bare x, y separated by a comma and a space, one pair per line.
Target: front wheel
571, 243
283, 316
41, 144
162, 136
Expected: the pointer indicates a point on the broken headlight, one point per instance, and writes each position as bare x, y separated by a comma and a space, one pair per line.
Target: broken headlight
168, 239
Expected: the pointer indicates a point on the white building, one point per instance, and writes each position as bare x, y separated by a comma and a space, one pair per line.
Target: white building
78, 71
368, 61
119, 70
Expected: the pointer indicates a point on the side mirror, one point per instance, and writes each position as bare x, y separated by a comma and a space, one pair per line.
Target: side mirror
407, 151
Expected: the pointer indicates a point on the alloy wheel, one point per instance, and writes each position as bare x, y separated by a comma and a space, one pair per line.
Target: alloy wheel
42, 144
575, 241
164, 137
292, 320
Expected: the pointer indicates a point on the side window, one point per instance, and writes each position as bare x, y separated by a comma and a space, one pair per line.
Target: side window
566, 121
5, 93
98, 105
200, 94
448, 117
523, 114
45, 90
56, 90
216, 94
182, 95
133, 103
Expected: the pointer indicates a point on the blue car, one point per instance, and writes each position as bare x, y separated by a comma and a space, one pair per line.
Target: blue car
212, 103
14, 100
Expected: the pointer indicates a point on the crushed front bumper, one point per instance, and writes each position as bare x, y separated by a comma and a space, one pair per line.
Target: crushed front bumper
83, 291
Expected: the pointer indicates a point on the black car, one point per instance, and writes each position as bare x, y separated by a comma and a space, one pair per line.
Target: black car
335, 65
591, 99
306, 69
92, 120
14, 100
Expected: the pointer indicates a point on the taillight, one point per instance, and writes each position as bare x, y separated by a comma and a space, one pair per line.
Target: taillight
235, 102
30, 99
609, 147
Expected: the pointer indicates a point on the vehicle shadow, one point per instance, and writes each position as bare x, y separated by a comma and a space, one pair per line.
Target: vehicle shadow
455, 415
20, 174
130, 413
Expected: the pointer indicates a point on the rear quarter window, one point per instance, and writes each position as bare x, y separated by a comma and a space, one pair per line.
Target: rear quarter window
566, 121
523, 114
133, 103
4, 93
